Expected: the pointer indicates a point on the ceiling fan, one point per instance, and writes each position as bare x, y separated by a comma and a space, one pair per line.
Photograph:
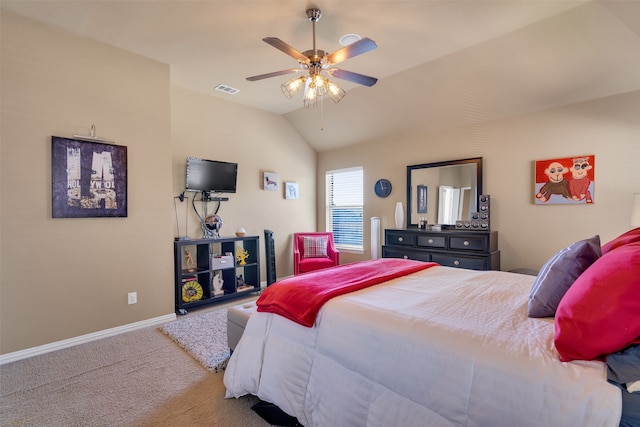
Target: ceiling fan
315, 61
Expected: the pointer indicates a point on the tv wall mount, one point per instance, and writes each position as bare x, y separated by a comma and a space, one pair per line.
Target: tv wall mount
210, 223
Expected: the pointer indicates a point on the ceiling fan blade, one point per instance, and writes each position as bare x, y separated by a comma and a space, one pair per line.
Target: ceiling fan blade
284, 47
274, 74
354, 49
353, 77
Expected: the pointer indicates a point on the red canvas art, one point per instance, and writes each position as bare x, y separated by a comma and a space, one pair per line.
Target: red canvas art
568, 180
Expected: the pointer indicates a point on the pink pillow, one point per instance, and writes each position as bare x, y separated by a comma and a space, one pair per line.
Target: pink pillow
623, 239
600, 313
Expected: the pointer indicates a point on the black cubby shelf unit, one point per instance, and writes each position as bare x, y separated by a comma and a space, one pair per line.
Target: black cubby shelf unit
206, 261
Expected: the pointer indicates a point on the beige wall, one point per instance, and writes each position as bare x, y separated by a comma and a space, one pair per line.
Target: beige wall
61, 278
528, 233
64, 278
207, 127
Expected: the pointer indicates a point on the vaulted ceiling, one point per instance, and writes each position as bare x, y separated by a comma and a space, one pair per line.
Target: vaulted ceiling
440, 63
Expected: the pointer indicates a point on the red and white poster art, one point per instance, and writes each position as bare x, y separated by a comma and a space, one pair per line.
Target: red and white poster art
567, 180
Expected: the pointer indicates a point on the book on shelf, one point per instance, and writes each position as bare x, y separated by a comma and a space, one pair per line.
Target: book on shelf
187, 279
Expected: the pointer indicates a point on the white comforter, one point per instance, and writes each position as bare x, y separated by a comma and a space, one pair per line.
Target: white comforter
442, 347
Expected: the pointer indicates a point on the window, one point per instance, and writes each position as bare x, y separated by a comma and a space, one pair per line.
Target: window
345, 207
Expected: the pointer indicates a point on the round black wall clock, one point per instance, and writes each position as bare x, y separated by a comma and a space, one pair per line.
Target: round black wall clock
382, 188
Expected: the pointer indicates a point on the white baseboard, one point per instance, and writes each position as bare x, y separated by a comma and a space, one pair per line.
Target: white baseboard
59, 345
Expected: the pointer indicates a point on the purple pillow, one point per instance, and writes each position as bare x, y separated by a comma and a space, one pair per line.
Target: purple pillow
558, 274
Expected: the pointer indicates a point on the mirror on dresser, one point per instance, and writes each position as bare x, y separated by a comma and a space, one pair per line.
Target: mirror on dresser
443, 192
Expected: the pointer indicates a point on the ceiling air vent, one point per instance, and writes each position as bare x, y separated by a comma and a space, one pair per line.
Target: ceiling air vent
227, 89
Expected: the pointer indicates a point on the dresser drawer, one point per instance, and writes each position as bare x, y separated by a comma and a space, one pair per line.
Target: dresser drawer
432, 241
461, 261
400, 238
474, 250
396, 252
469, 243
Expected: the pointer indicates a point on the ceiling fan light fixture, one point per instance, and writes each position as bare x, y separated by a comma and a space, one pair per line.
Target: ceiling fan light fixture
310, 95
320, 85
293, 86
336, 93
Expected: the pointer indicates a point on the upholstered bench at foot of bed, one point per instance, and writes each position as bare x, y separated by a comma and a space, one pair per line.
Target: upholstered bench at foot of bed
237, 317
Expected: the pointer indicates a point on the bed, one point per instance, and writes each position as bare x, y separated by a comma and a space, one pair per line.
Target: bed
437, 347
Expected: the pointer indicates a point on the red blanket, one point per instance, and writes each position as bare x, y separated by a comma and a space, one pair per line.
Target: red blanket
299, 298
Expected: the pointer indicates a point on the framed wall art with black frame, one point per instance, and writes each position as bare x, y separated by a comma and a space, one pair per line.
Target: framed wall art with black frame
421, 197
88, 179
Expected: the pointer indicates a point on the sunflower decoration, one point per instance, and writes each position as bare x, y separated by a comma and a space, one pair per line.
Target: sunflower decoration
191, 291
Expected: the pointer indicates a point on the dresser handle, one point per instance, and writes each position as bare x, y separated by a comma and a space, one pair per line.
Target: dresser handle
400, 239
466, 243
456, 263
430, 241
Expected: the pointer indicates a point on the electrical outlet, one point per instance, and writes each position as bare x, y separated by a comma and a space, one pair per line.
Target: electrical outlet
132, 297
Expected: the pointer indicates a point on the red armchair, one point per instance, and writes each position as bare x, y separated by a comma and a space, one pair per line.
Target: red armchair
314, 251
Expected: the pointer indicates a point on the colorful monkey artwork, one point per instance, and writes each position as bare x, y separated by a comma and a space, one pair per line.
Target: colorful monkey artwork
567, 180
580, 181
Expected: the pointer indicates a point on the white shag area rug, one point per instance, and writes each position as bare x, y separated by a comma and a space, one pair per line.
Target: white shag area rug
203, 336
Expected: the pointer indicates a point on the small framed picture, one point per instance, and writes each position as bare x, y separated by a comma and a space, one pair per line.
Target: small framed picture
422, 198
270, 181
291, 190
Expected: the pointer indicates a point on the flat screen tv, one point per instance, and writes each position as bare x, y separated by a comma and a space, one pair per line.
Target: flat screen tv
211, 176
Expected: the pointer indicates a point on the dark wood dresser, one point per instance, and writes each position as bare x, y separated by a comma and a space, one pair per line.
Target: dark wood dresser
475, 250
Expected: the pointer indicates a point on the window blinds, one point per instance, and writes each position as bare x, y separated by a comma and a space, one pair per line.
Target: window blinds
345, 207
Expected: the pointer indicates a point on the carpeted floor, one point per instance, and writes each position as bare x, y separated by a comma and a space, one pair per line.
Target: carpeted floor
140, 378
203, 336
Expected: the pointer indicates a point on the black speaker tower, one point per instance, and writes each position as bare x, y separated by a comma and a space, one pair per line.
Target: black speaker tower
479, 221
270, 256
